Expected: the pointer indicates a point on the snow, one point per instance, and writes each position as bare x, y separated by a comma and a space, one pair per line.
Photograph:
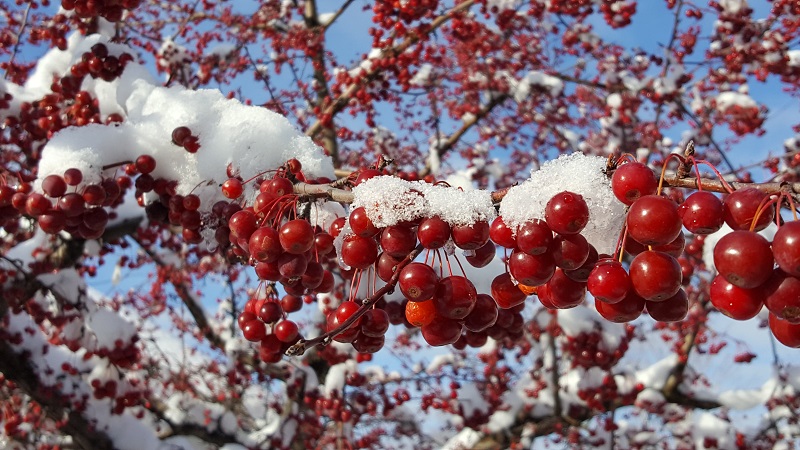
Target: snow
577, 173
522, 89
730, 98
733, 6
794, 57
466, 438
389, 200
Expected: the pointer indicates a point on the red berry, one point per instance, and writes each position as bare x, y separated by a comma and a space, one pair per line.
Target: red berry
505, 292
455, 297
534, 237
286, 331
398, 240
180, 134
375, 322
701, 213
482, 256
145, 164
569, 251
609, 281
786, 248
566, 213
633, 180
786, 333
783, 296
501, 234
531, 270
626, 310
471, 237
564, 293
673, 309
359, 252
654, 220
483, 315
733, 301
744, 258
418, 282
441, 331
655, 276
296, 236
54, 186
740, 209
361, 224
232, 188
433, 232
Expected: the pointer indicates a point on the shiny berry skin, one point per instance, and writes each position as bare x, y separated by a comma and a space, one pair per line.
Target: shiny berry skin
702, 213
232, 188
470, 237
54, 186
365, 344
296, 236
531, 270
633, 180
264, 244
740, 208
441, 331
420, 314
626, 310
744, 258
534, 237
501, 234
566, 213
433, 232
180, 134
505, 292
654, 220
481, 257
359, 252
673, 309
398, 241
145, 164
786, 333
375, 322
418, 281
735, 302
609, 281
564, 293
345, 311
286, 331
361, 224
483, 315
569, 251
270, 312
455, 297
782, 296
655, 276
786, 248
254, 330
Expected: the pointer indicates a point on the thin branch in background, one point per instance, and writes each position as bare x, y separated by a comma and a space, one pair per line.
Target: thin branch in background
18, 39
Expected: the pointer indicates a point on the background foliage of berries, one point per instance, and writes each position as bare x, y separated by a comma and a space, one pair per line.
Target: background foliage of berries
156, 145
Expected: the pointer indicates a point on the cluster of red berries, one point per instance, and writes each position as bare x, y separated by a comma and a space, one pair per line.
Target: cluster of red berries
549, 257
589, 349
441, 305
98, 63
61, 207
111, 10
183, 137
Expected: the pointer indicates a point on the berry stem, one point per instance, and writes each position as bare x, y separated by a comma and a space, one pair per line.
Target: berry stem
664, 170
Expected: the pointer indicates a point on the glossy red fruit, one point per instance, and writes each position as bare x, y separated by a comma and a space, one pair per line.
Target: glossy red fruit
346, 310
633, 180
740, 208
786, 248
581, 274
673, 309
609, 281
280, 186
145, 164
505, 292
534, 237
386, 266
735, 302
566, 213
501, 234
359, 252
313, 276
291, 266
418, 281
296, 236
626, 310
375, 322
398, 241
232, 188
786, 333
264, 244
654, 220
455, 297
286, 331
270, 312
54, 186
564, 293
470, 237
361, 224
569, 251
368, 344
53, 221
242, 224
702, 213
441, 331
433, 232
744, 258
531, 270
482, 256
268, 271
782, 296
254, 330
483, 315
674, 248
655, 276
291, 303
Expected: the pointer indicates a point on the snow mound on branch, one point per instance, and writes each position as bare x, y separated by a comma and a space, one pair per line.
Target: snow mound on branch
389, 200
251, 139
576, 173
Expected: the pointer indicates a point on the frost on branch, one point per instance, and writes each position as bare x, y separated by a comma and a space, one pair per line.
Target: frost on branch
576, 173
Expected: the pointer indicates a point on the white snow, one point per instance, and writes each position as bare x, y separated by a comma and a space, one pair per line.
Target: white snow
577, 173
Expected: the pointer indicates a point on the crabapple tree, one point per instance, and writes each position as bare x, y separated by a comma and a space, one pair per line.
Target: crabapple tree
399, 224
